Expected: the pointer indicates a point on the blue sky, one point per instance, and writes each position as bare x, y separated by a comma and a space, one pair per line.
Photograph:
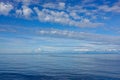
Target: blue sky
59, 25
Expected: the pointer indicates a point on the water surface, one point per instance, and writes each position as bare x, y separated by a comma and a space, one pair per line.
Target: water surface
56, 66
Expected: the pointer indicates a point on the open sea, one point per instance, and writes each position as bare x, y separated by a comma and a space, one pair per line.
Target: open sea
57, 66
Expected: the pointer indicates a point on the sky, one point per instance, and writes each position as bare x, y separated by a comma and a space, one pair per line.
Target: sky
36, 26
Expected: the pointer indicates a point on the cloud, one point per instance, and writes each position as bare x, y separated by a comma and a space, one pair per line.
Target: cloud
75, 35
106, 8
19, 12
46, 15
58, 12
6, 28
62, 5
80, 49
108, 39
24, 12
38, 50
52, 40
104, 39
75, 15
25, 2
58, 6
93, 10
114, 8
5, 8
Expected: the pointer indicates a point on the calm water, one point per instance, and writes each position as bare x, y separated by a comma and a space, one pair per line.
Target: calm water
60, 67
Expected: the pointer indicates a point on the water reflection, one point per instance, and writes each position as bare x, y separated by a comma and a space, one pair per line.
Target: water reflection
60, 66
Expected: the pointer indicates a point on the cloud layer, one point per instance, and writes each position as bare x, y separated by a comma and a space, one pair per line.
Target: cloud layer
83, 15
62, 25
67, 34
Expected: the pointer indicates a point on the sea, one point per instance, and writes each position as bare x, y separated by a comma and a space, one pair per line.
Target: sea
59, 66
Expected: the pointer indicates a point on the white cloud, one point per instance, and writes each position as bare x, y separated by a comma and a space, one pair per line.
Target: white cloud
5, 8
25, 2
59, 12
73, 40
94, 13
19, 12
47, 49
62, 17
76, 8
75, 15
106, 39
59, 5
38, 50
86, 36
106, 8
86, 21
62, 5
87, 1
114, 8
81, 49
24, 12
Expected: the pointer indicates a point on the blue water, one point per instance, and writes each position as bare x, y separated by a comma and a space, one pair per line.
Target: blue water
50, 66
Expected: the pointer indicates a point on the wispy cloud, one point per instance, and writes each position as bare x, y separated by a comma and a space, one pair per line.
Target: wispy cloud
82, 36
50, 32
59, 5
106, 8
53, 40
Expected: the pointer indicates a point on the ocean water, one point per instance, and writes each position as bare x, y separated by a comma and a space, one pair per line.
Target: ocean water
56, 66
